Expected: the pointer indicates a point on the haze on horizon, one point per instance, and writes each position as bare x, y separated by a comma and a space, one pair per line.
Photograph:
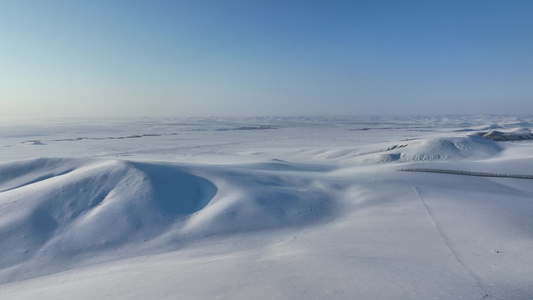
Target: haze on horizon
189, 58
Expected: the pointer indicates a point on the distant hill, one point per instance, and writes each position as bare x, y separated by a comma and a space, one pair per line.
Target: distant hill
521, 134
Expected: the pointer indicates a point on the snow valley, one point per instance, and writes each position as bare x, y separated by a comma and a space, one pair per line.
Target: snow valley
267, 208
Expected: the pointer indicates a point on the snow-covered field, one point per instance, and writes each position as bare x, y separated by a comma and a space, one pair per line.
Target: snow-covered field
266, 208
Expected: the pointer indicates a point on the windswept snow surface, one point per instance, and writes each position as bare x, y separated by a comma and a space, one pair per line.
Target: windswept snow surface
265, 208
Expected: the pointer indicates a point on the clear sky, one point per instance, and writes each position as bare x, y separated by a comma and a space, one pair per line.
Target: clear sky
236, 57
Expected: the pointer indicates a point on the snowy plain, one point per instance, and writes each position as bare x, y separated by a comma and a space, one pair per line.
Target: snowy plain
265, 208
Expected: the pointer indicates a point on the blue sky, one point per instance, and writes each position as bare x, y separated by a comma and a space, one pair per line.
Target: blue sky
237, 57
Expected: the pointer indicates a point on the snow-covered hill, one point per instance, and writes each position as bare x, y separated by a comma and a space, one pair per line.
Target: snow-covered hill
517, 134
456, 148
302, 208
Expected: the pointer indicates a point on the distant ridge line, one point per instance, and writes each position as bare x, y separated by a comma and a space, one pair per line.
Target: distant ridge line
467, 173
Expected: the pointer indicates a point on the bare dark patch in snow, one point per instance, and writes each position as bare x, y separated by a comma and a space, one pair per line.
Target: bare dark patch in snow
522, 134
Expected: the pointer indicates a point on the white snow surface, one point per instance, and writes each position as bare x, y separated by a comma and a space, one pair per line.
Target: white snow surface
264, 208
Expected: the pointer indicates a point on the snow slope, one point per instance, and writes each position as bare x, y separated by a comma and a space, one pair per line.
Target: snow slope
74, 208
79, 209
166, 209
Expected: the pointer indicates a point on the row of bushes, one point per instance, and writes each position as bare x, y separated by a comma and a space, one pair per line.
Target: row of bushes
468, 173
